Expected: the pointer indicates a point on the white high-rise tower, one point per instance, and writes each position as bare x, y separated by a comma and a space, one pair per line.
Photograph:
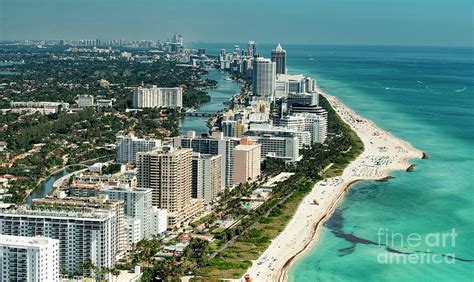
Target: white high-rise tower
263, 79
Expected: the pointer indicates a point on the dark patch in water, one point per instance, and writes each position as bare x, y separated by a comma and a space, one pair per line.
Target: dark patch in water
347, 251
391, 250
335, 224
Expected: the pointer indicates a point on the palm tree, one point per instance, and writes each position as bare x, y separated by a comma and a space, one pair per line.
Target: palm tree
115, 272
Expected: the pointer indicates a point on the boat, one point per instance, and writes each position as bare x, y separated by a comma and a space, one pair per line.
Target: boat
228, 78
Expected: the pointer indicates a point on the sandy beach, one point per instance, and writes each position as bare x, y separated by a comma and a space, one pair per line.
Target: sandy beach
382, 154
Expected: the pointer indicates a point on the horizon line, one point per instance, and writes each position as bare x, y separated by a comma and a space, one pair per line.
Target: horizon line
264, 43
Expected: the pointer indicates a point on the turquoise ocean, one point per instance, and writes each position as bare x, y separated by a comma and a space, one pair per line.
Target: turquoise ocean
424, 95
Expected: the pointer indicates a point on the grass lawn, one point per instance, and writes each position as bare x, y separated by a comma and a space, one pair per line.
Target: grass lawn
235, 260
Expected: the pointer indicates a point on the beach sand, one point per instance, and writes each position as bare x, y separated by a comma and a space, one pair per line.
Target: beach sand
382, 154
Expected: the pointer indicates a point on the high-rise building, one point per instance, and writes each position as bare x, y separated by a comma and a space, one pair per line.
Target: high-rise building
207, 176
279, 57
293, 83
216, 144
178, 39
29, 259
84, 101
316, 124
84, 235
167, 171
152, 96
132, 230
302, 99
90, 204
263, 77
297, 108
251, 48
247, 163
159, 221
129, 146
137, 205
277, 143
302, 128
233, 128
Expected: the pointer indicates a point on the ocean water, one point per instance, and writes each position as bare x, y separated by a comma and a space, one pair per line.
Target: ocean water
424, 95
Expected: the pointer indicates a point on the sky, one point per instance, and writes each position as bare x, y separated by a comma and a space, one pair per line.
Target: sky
364, 22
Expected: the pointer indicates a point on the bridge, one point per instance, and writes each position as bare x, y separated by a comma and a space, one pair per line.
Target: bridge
200, 114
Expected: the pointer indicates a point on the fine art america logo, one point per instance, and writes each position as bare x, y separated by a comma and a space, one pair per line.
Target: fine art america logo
421, 247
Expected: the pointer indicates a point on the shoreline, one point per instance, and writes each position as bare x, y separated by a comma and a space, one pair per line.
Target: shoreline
383, 153
316, 228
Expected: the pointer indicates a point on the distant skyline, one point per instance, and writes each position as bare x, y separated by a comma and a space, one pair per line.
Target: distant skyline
371, 22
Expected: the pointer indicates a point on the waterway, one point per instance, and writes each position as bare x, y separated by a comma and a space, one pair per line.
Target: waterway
46, 186
223, 92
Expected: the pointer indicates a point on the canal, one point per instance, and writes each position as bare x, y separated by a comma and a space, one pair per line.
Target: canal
46, 186
224, 91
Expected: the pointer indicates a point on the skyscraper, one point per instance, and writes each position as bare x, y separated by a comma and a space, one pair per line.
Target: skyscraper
207, 176
247, 163
251, 48
263, 78
167, 171
279, 58
215, 145
178, 39
129, 146
84, 235
29, 259
152, 96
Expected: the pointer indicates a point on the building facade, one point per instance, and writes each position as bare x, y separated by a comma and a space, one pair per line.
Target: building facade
263, 77
83, 235
129, 146
216, 144
84, 101
159, 221
137, 205
29, 259
168, 171
293, 83
277, 142
247, 163
279, 58
315, 124
152, 96
206, 176
233, 128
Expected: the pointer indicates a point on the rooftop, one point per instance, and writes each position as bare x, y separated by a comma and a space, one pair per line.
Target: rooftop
246, 147
22, 241
57, 213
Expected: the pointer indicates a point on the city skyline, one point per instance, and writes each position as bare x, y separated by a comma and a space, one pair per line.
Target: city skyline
248, 141
399, 22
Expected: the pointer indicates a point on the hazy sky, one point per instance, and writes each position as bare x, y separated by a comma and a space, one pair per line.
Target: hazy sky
384, 22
